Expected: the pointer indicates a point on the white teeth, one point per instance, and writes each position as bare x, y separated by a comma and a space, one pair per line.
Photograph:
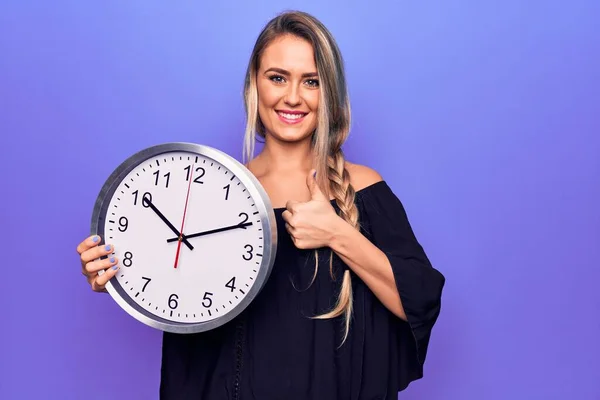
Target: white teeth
291, 116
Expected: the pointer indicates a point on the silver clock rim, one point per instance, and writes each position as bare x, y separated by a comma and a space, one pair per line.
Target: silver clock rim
266, 214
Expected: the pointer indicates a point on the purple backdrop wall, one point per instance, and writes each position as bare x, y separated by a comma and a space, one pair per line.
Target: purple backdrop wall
482, 117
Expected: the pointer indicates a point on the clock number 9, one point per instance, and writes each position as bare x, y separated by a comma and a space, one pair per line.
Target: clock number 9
173, 301
123, 224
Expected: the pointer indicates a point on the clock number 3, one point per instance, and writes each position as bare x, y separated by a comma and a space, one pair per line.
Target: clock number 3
249, 250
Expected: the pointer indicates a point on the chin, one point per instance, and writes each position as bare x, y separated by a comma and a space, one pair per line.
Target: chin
288, 135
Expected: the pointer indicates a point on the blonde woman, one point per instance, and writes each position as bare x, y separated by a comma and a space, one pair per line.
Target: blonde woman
348, 310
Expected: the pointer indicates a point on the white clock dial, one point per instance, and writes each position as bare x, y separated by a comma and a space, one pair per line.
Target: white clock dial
209, 273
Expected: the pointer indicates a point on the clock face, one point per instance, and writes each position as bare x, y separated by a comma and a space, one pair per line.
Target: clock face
207, 275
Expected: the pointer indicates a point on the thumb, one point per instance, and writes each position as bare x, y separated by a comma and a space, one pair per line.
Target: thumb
311, 182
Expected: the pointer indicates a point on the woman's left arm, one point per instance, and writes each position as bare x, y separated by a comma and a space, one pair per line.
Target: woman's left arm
390, 261
369, 263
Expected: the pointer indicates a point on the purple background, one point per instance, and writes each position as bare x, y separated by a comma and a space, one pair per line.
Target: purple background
484, 119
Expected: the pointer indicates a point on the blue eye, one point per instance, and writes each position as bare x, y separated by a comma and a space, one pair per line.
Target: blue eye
276, 78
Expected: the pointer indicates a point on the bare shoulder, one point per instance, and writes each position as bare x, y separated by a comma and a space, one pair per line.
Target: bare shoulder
362, 176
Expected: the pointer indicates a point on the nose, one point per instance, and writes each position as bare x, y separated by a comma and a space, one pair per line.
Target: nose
292, 96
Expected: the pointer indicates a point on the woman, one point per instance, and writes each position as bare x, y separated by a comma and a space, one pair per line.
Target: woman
348, 310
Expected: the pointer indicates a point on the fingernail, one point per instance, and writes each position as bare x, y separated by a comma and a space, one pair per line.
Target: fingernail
112, 259
315, 174
95, 239
115, 267
107, 247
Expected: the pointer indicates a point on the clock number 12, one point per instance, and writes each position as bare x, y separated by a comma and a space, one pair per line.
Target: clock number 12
197, 178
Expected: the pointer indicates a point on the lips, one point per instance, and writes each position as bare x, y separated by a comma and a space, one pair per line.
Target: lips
291, 117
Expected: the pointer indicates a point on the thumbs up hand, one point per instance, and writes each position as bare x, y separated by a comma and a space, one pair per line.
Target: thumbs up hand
313, 187
311, 224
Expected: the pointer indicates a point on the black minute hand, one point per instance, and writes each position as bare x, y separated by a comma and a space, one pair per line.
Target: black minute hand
166, 221
226, 228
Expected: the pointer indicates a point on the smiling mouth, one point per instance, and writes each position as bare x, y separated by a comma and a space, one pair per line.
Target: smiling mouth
291, 117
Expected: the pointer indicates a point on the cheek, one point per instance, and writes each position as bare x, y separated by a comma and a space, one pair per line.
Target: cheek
312, 100
267, 97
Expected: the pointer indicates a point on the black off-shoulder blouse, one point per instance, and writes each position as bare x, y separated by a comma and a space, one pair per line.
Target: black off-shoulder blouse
274, 350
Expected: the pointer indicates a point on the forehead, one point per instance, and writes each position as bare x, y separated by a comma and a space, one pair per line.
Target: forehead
290, 53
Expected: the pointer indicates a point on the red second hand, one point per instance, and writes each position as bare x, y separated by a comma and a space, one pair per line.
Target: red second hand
187, 196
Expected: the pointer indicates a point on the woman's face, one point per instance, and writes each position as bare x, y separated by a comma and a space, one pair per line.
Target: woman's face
288, 89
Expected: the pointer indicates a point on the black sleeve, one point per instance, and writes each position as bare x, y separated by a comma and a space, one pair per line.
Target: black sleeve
418, 283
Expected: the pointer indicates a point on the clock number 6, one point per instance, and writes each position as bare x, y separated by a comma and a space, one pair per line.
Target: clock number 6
173, 301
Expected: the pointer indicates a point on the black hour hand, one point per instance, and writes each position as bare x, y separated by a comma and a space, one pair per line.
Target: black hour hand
226, 228
147, 202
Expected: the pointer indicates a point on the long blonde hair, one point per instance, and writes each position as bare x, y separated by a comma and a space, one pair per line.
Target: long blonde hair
332, 129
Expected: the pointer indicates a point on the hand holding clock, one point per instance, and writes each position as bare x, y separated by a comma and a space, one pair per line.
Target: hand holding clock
90, 254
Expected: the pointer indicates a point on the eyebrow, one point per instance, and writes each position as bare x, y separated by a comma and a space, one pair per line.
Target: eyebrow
284, 72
